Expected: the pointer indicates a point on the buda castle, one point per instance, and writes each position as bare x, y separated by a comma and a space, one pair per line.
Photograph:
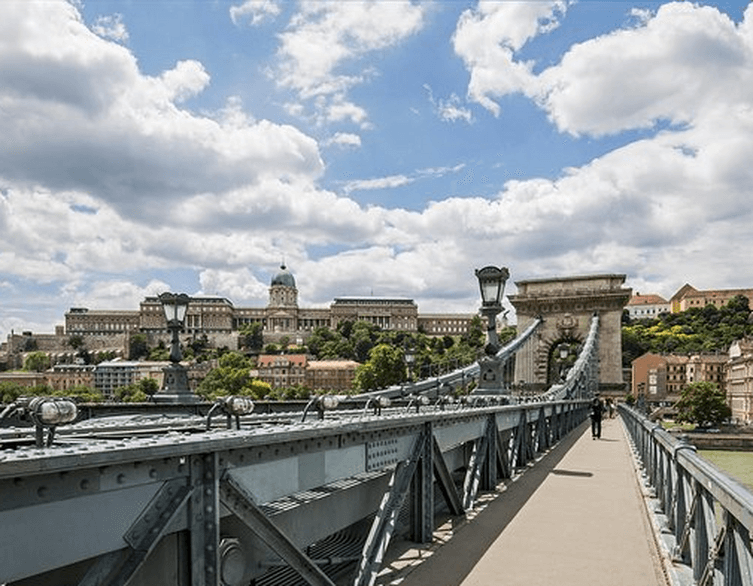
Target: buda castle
220, 321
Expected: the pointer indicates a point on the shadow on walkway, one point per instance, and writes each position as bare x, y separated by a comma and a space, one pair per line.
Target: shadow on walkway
464, 541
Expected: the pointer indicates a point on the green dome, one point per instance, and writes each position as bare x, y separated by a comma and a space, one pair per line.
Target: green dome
283, 278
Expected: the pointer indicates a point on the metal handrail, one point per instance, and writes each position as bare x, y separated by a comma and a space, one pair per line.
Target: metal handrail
709, 514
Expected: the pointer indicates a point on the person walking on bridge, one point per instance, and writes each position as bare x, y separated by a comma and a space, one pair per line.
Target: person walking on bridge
597, 410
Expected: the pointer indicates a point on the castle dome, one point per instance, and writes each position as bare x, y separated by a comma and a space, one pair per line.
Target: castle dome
283, 278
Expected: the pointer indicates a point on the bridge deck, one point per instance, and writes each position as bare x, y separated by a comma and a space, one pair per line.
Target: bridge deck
576, 518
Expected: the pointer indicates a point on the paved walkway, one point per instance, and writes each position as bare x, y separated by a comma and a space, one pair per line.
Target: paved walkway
576, 518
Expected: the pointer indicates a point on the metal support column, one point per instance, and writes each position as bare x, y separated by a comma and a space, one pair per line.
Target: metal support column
489, 469
204, 520
422, 491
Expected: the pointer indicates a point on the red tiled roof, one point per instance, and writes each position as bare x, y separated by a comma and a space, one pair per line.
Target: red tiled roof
649, 299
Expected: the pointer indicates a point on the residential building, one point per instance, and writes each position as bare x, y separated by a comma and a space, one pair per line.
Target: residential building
647, 306
331, 375
282, 370
291, 370
63, 377
111, 375
739, 381
662, 377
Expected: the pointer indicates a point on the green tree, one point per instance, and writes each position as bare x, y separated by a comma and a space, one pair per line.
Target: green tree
130, 394
161, 353
10, 391
251, 337
37, 362
703, 404
76, 342
384, 367
138, 347
232, 376
81, 394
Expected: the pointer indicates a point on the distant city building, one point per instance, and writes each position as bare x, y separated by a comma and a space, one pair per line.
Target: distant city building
282, 370
739, 381
220, 321
294, 370
331, 375
662, 377
646, 306
688, 297
111, 375
63, 377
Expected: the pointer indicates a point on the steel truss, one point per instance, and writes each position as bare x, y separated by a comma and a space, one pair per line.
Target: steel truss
225, 506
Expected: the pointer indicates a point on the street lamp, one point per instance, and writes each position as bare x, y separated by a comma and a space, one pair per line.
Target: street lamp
491, 281
410, 358
175, 385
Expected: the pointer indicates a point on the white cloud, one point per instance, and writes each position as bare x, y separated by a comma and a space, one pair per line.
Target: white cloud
116, 294
319, 54
77, 114
344, 139
237, 284
255, 11
488, 37
111, 27
377, 183
677, 66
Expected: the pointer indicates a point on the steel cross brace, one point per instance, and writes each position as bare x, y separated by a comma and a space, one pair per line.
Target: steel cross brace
503, 454
522, 442
445, 482
118, 567
241, 504
482, 468
738, 560
386, 517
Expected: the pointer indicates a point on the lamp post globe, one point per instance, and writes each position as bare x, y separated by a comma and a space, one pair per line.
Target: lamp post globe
491, 281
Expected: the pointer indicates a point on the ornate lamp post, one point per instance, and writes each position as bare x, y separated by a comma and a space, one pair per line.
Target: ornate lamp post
175, 385
491, 281
410, 358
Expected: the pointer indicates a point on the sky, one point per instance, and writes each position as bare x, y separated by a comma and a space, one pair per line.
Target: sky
383, 148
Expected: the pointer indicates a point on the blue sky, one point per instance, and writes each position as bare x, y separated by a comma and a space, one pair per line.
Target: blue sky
384, 147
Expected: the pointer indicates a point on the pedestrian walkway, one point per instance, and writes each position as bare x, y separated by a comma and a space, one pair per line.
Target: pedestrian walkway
575, 518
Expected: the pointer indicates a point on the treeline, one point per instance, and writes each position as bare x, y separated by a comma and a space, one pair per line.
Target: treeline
386, 357
698, 329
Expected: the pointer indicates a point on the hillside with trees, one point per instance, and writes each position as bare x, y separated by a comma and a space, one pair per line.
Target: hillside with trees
699, 329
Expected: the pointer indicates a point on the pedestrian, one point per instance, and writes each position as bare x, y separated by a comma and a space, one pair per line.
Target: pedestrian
597, 409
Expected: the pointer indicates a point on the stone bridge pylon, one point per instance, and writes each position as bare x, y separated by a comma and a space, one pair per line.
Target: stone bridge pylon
566, 304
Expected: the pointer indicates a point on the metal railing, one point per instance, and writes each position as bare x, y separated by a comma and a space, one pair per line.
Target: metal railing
145, 505
458, 378
708, 516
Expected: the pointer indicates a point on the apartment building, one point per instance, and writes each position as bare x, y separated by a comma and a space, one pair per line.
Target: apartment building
739, 381
647, 306
662, 377
291, 370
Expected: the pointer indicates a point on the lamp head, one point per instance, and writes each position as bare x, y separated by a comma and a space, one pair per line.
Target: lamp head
491, 281
175, 306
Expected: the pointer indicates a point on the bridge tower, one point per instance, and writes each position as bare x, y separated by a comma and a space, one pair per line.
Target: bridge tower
567, 304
